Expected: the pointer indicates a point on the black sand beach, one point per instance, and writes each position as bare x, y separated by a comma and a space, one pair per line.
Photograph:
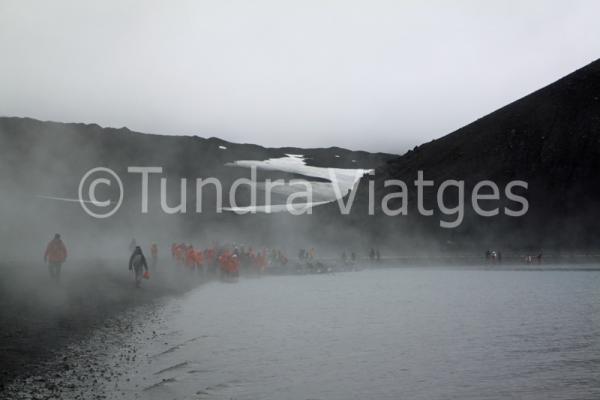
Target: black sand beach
41, 318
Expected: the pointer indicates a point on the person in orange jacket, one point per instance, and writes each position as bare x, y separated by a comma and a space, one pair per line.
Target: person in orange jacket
199, 258
190, 257
224, 261
55, 256
233, 266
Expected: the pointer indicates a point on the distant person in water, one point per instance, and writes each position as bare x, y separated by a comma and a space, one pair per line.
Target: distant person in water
372, 254
55, 256
377, 255
137, 263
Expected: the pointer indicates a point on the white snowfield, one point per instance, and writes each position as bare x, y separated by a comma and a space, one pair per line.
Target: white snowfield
342, 180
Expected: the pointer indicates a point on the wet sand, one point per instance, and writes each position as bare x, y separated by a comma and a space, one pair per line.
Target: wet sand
42, 319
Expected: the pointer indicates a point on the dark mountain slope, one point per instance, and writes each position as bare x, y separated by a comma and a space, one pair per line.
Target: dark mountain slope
550, 139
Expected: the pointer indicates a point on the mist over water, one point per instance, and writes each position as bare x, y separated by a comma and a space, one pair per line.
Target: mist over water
414, 333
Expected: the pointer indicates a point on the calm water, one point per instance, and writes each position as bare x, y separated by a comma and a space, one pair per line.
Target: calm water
380, 334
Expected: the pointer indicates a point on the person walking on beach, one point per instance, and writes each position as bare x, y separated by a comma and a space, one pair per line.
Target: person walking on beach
137, 263
55, 256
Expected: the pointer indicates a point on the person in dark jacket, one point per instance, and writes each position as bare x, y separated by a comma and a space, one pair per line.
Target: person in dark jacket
137, 263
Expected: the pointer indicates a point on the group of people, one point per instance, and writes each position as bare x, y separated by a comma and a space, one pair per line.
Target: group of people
531, 259
307, 254
374, 255
225, 260
495, 257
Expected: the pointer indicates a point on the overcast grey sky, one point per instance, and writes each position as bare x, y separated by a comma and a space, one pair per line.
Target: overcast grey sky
374, 75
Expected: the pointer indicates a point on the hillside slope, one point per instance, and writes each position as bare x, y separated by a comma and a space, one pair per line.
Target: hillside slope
550, 139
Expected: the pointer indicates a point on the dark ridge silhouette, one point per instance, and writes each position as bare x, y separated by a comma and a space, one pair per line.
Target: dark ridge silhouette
549, 138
